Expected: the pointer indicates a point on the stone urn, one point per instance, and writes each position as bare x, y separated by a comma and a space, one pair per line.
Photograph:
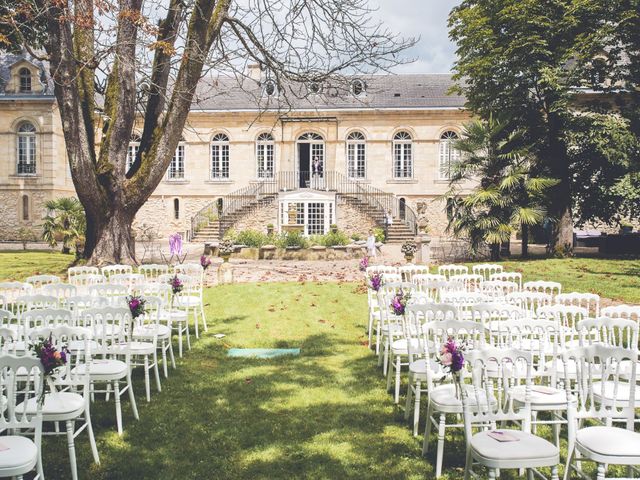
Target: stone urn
409, 258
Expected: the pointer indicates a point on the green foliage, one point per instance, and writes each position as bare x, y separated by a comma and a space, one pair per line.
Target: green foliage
333, 239
379, 234
26, 235
292, 239
252, 238
65, 222
356, 237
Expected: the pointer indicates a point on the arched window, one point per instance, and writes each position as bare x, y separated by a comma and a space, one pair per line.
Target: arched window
132, 150
447, 156
26, 164
25, 80
265, 155
176, 209
356, 155
358, 87
219, 156
315, 88
402, 155
176, 167
25, 208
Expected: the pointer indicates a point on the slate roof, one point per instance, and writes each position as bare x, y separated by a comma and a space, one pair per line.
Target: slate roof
402, 91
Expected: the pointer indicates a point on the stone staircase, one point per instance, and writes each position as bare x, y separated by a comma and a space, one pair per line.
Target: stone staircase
398, 232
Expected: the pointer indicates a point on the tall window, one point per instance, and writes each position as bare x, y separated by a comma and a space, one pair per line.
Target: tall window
26, 149
176, 209
402, 155
447, 156
25, 80
132, 150
25, 207
265, 155
219, 157
176, 167
356, 155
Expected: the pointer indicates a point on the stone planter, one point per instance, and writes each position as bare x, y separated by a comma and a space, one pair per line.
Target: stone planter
409, 258
267, 252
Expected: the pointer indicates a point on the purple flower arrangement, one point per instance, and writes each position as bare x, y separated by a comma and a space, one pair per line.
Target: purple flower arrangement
176, 285
175, 244
375, 282
205, 262
364, 263
451, 356
136, 305
50, 357
399, 302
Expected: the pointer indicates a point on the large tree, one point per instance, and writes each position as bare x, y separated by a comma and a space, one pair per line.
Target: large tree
141, 60
524, 59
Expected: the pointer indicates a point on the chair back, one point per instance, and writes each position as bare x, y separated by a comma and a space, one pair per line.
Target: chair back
471, 281
381, 269
487, 269
29, 302
84, 280
12, 290
61, 291
21, 379
632, 312
6, 318
508, 277
408, 271
613, 332
39, 280
590, 301
450, 270
83, 270
46, 318
152, 271
542, 286
116, 269
498, 289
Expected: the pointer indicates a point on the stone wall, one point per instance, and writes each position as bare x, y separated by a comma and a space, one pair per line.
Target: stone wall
258, 219
431, 213
158, 215
352, 221
11, 213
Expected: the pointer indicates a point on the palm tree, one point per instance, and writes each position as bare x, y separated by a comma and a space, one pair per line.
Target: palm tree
506, 195
65, 222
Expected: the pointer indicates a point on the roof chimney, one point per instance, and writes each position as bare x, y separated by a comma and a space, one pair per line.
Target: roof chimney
254, 71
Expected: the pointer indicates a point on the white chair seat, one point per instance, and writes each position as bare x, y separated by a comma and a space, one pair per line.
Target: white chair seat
148, 331
394, 328
78, 345
58, 406
105, 369
444, 398
555, 400
419, 367
606, 394
19, 455
175, 315
559, 366
529, 450
188, 301
400, 346
603, 444
139, 348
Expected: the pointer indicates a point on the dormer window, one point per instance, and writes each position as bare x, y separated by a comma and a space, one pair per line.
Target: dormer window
25, 80
315, 88
358, 88
270, 88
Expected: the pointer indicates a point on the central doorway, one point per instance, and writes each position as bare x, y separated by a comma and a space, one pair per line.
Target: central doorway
310, 161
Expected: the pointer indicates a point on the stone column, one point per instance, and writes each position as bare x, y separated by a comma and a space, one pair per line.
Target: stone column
423, 253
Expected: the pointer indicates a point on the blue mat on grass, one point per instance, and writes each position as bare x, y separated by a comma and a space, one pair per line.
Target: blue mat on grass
262, 352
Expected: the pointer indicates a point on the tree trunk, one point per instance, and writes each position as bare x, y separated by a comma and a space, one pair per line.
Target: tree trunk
525, 240
563, 230
494, 249
109, 239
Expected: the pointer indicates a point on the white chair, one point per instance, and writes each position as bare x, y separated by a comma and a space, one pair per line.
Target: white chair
62, 291
632, 312
12, 290
442, 398
191, 295
174, 318
498, 289
83, 281
507, 277
612, 332
30, 302
19, 378
73, 271
471, 281
152, 271
604, 394
408, 271
390, 324
71, 401
484, 404
111, 362
590, 301
384, 269
39, 280
46, 318
115, 294
116, 269
129, 280
152, 327
487, 269
529, 301
142, 343
450, 270
80, 303
542, 286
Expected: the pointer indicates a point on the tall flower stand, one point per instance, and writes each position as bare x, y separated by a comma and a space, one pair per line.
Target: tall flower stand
225, 273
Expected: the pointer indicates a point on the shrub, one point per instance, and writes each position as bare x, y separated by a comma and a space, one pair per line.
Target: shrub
251, 238
26, 235
379, 234
332, 239
292, 239
356, 237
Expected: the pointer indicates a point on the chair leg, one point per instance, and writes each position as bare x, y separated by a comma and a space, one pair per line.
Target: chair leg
164, 359
116, 393
396, 396
72, 449
529, 473
601, 471
389, 373
173, 358
156, 370
204, 318
468, 464
568, 466
132, 397
186, 330
147, 386
180, 340
492, 473
195, 320
554, 473
416, 409
370, 330
407, 405
427, 429
378, 340
440, 448
92, 438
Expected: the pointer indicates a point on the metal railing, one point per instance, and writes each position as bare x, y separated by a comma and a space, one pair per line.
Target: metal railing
248, 198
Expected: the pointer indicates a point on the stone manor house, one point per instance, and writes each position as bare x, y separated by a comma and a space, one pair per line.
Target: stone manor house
332, 157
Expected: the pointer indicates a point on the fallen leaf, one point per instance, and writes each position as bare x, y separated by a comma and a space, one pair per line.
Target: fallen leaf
248, 380
257, 325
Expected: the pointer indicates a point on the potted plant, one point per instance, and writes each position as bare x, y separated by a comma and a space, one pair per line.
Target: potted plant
626, 227
225, 249
409, 250
270, 229
334, 228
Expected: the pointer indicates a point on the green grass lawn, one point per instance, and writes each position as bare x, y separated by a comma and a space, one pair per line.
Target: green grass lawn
324, 414
18, 264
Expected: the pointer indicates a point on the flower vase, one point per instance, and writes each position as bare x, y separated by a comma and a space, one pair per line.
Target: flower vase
408, 258
457, 382
225, 273
225, 258
50, 384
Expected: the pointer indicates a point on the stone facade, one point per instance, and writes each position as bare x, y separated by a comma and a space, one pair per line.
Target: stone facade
258, 219
352, 221
159, 214
431, 214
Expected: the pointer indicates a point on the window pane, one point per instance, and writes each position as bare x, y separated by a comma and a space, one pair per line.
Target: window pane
26, 154
176, 167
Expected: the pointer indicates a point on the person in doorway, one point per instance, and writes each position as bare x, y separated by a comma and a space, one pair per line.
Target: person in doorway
316, 167
388, 221
371, 245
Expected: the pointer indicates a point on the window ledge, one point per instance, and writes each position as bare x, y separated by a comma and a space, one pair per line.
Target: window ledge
179, 181
32, 176
359, 180
442, 181
402, 180
220, 181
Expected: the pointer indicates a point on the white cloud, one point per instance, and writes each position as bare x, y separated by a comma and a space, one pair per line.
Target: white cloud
427, 19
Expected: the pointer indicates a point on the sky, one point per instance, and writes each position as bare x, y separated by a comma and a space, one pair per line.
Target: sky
426, 19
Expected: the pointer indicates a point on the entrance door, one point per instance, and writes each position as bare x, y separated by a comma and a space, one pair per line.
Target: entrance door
403, 209
304, 163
